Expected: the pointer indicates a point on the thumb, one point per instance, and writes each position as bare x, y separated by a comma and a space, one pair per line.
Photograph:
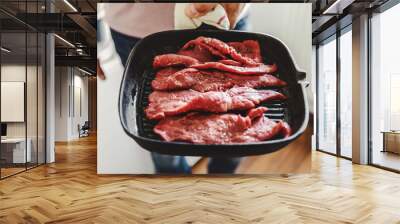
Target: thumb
194, 10
100, 72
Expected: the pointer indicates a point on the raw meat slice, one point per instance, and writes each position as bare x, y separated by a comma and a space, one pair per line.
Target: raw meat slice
193, 44
230, 62
205, 53
259, 69
204, 81
198, 52
190, 78
162, 104
211, 50
200, 56
220, 48
286, 131
166, 72
248, 48
256, 112
167, 60
221, 128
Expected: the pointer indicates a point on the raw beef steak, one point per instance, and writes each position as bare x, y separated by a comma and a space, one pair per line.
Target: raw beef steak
162, 104
204, 81
221, 128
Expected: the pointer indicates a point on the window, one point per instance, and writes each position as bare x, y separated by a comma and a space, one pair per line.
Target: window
326, 110
346, 93
385, 89
334, 106
22, 77
394, 101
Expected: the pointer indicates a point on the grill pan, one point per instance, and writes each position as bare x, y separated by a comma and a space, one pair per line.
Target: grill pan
136, 87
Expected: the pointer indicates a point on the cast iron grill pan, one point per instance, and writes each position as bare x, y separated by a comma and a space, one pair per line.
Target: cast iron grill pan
136, 87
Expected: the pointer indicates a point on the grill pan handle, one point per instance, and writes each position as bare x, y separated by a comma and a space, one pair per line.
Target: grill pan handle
301, 77
205, 26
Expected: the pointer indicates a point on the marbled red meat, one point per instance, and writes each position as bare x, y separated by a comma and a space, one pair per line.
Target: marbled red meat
209, 53
208, 78
214, 52
219, 48
198, 52
221, 128
248, 48
204, 81
189, 78
230, 62
259, 69
166, 60
205, 53
162, 104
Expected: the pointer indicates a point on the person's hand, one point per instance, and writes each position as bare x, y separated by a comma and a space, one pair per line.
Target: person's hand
100, 72
195, 10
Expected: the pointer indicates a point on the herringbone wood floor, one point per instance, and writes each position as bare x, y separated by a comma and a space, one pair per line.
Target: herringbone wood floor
69, 191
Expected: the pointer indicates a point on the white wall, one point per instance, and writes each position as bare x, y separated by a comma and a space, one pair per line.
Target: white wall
79, 117
61, 103
33, 126
82, 82
117, 153
291, 23
16, 72
67, 81
12, 101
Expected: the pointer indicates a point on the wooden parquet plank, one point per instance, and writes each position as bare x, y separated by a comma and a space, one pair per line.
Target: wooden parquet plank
70, 191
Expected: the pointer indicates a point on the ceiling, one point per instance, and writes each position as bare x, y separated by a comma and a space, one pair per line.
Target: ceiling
16, 43
66, 20
75, 21
332, 15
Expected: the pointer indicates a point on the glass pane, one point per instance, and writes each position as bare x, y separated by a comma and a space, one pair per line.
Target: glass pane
32, 98
385, 85
23, 88
32, 87
41, 99
13, 88
346, 94
327, 97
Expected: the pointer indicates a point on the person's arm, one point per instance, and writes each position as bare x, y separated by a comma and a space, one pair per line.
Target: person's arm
233, 10
100, 72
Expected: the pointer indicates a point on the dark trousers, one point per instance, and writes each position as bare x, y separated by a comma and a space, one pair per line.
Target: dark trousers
123, 44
